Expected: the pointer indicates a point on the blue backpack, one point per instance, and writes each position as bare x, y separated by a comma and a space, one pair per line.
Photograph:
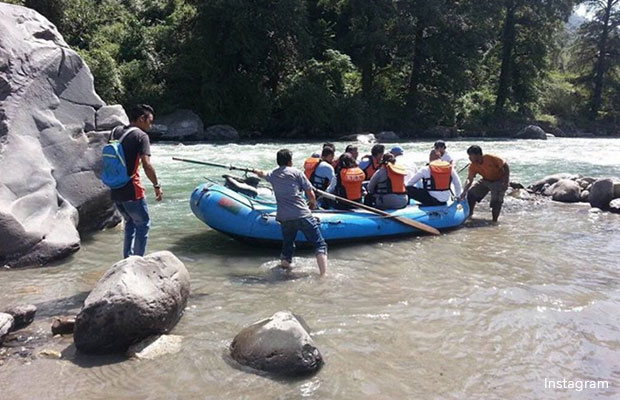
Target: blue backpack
115, 173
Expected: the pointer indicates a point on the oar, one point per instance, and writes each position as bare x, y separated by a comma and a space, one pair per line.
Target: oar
463, 169
230, 167
409, 222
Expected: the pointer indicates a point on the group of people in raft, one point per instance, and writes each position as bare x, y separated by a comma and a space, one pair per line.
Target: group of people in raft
382, 179
390, 184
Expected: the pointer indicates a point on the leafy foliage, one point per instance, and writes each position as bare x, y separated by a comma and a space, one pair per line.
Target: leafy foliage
321, 67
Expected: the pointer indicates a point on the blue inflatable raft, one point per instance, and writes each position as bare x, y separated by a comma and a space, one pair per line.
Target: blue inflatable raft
242, 214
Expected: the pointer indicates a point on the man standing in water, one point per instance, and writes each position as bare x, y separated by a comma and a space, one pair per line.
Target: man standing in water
130, 199
293, 213
495, 178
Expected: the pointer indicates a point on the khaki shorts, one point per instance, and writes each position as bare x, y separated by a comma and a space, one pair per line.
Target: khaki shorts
482, 188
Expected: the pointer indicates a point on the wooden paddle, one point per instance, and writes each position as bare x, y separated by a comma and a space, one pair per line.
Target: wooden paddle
403, 220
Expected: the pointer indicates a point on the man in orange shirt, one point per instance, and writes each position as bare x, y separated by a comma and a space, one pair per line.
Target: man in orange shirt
495, 178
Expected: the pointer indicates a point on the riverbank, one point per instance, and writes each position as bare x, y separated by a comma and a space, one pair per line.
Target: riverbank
187, 126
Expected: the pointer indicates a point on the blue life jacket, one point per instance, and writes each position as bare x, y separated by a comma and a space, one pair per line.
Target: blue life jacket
115, 173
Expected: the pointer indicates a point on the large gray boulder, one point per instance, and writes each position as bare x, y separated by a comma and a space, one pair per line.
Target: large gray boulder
531, 132
601, 193
6, 325
279, 344
182, 125
547, 181
138, 297
566, 191
47, 106
221, 133
109, 117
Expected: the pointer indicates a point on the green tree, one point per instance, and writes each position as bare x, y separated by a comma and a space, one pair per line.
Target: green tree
527, 27
247, 47
599, 49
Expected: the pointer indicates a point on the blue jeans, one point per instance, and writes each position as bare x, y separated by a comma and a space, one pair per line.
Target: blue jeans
309, 227
137, 224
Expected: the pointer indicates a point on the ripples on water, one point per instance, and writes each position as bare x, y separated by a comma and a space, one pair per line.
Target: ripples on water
486, 311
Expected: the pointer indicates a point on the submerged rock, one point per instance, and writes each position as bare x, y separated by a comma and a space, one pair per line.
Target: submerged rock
539, 185
63, 325
155, 346
387, 136
47, 105
138, 297
365, 138
221, 133
22, 315
601, 193
531, 132
279, 344
6, 325
566, 191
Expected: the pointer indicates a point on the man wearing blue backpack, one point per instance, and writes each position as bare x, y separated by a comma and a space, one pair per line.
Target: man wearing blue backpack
127, 148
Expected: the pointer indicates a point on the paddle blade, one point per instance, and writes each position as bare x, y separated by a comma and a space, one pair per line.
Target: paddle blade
418, 225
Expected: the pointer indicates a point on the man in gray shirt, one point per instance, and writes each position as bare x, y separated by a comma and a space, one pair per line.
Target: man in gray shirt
293, 213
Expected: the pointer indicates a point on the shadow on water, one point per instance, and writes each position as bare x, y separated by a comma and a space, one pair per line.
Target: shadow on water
215, 243
270, 276
274, 377
62, 306
71, 354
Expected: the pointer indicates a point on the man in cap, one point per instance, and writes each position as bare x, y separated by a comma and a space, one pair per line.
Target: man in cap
399, 153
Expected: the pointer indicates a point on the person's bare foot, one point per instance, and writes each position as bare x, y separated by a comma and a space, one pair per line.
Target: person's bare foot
285, 265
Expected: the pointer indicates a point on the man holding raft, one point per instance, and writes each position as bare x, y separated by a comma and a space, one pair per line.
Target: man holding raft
293, 213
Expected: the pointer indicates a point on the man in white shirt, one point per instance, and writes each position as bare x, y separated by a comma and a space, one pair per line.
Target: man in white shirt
438, 177
440, 149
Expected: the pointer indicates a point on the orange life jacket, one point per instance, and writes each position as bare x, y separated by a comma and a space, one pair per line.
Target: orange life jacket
441, 176
310, 166
372, 166
350, 183
395, 182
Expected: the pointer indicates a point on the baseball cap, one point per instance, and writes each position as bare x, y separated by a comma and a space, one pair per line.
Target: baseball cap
439, 143
397, 151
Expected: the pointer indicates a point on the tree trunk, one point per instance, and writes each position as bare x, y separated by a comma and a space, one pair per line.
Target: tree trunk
367, 78
599, 68
414, 77
508, 42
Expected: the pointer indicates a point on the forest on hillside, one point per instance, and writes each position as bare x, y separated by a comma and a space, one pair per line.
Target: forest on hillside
301, 68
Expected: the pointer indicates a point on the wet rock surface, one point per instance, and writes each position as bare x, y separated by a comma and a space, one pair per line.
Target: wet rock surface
279, 344
48, 107
23, 315
136, 298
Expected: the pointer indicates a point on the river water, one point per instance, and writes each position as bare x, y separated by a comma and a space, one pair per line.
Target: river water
486, 311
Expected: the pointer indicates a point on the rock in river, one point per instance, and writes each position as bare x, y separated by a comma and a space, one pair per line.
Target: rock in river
48, 106
531, 132
566, 191
138, 297
601, 193
23, 315
6, 325
279, 344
